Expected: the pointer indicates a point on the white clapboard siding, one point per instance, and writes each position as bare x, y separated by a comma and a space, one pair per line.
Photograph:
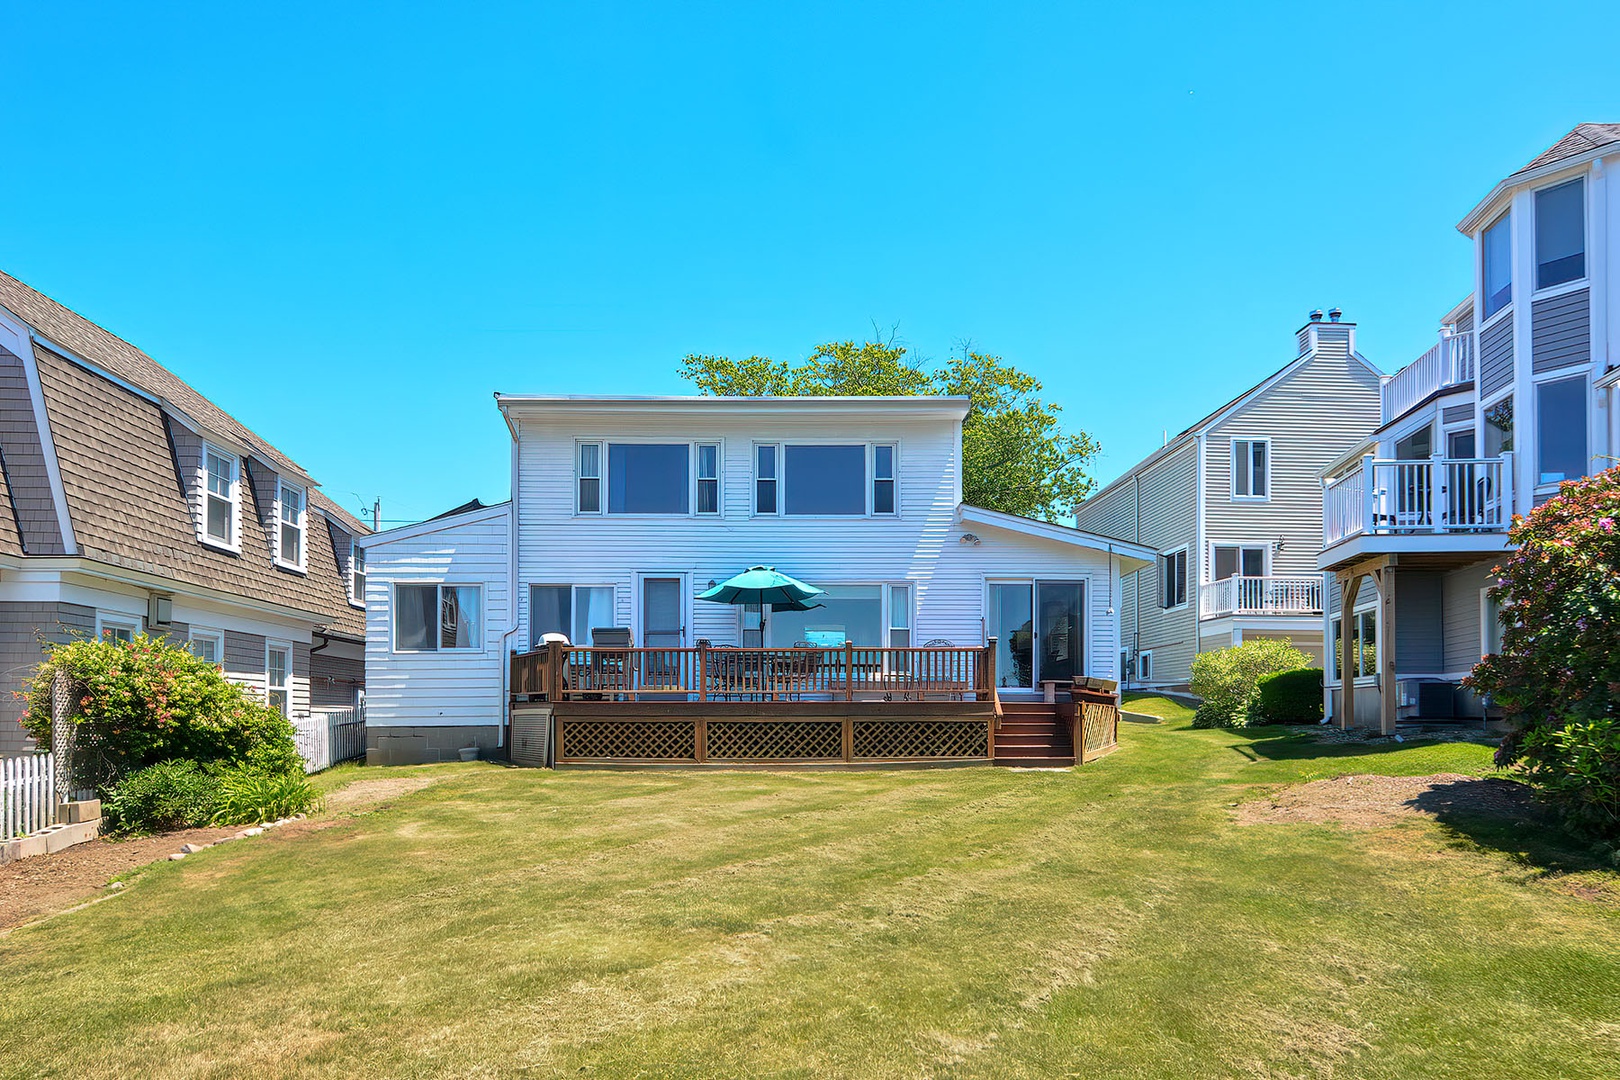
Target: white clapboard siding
921, 546
434, 689
27, 794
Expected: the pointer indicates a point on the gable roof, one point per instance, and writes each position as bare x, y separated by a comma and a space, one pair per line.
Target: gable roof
1132, 556
1217, 415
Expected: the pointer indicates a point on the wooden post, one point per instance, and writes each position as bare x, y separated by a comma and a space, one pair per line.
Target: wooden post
1349, 587
1387, 700
700, 739
849, 738
849, 670
556, 672
703, 672
988, 665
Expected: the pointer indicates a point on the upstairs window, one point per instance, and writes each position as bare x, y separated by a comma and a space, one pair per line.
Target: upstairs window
1173, 569
1496, 256
357, 573
708, 478
221, 496
1560, 234
765, 501
290, 517
649, 478
824, 480
1561, 452
437, 618
882, 479
1251, 468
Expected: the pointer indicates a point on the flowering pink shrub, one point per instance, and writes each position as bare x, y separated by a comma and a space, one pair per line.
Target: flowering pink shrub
1557, 674
146, 701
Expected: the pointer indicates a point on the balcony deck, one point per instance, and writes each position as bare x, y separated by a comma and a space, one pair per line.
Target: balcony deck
1433, 505
1449, 363
1273, 595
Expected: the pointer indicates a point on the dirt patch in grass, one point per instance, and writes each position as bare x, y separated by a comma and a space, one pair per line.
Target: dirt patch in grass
1376, 802
33, 888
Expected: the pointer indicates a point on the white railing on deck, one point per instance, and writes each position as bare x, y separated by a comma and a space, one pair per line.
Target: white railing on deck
1278, 595
1450, 362
1433, 495
27, 794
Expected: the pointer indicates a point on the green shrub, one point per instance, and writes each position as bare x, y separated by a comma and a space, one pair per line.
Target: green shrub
1557, 673
1228, 680
1288, 697
146, 701
168, 795
247, 796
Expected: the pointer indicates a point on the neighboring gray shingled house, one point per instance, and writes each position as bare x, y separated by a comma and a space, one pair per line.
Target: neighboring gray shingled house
121, 486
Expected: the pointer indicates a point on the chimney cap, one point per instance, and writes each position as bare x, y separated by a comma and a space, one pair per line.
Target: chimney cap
1335, 314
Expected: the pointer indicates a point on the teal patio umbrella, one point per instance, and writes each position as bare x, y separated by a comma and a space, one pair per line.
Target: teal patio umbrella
764, 585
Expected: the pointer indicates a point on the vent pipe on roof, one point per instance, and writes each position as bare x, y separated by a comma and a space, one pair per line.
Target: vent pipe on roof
1335, 315
1316, 316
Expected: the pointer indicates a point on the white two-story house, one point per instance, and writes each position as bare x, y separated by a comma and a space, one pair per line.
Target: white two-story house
624, 509
1232, 508
1517, 395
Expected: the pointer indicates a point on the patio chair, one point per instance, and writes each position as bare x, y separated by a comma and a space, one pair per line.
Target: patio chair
610, 672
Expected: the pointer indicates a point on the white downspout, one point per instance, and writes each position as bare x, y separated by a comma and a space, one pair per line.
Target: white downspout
511, 593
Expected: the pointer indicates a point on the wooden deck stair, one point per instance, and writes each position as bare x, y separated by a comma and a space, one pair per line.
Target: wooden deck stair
1031, 734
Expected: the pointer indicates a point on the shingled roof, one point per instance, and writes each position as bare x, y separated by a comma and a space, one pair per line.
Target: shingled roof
1583, 138
119, 453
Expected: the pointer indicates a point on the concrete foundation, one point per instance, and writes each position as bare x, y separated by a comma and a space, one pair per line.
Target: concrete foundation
406, 745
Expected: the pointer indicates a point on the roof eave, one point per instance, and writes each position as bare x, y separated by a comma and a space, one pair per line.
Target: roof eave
1487, 207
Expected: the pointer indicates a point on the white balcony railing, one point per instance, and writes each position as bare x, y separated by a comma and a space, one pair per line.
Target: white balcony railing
1434, 495
1450, 362
1280, 595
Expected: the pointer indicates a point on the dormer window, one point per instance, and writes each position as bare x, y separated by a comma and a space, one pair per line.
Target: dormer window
357, 573
290, 519
221, 497
1496, 271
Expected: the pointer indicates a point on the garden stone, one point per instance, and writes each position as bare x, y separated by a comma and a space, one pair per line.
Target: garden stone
255, 831
191, 849
177, 856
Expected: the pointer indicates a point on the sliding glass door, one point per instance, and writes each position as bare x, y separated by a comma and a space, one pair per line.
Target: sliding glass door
1039, 629
1010, 620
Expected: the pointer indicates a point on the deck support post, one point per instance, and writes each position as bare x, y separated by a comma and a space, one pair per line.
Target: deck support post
1388, 701
1349, 589
987, 668
849, 670
849, 738
703, 672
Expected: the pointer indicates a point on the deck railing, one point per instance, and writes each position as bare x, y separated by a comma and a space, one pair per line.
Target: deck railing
1448, 363
1432, 495
723, 673
1275, 595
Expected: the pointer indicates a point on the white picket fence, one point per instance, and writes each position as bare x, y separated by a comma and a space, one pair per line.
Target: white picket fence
327, 737
27, 794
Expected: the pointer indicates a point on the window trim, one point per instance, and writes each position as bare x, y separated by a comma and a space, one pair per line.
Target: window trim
235, 498
692, 444
1538, 291
117, 620
1185, 551
1144, 666
393, 617
869, 483
775, 479
1232, 462
356, 552
210, 634
1265, 547
580, 477
272, 645
718, 479
1485, 606
283, 485
893, 479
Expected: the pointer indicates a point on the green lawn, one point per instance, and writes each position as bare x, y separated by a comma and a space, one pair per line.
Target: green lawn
1106, 921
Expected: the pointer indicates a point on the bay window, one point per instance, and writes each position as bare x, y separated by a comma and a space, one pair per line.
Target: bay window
1560, 234
1561, 452
1496, 270
437, 618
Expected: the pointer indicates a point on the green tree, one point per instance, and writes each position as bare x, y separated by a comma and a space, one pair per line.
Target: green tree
1017, 457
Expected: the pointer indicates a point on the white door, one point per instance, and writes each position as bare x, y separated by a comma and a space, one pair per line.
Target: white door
663, 612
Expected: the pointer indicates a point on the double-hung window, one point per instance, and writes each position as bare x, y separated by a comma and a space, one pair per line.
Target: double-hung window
708, 478
1496, 270
438, 618
357, 573
290, 518
765, 479
1173, 570
883, 478
221, 496
278, 677
590, 478
1560, 234
118, 628
1561, 452
1251, 468
207, 645
648, 478
899, 616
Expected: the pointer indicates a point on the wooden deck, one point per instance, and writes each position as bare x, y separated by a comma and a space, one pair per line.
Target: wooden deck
849, 706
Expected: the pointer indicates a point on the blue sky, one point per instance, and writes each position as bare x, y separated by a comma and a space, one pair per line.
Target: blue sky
349, 229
